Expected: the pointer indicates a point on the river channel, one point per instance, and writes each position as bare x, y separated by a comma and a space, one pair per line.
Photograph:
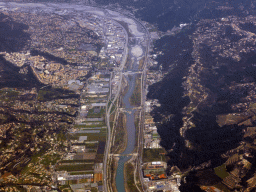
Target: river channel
130, 126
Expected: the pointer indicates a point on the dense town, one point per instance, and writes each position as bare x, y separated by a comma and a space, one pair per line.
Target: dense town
81, 113
76, 58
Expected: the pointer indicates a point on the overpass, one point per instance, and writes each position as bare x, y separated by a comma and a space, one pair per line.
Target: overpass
131, 72
123, 155
125, 110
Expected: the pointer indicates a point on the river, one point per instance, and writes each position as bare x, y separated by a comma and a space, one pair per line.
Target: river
130, 122
131, 133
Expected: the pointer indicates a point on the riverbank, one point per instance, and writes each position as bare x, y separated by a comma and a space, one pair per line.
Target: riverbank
120, 135
113, 167
130, 135
137, 124
129, 177
135, 99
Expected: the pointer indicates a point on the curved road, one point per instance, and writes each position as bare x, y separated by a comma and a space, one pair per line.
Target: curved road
138, 159
113, 15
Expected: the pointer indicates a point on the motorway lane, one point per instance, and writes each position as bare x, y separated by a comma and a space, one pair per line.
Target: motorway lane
50, 8
108, 143
138, 159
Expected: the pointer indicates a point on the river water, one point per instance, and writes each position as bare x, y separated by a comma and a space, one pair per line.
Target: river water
131, 133
130, 122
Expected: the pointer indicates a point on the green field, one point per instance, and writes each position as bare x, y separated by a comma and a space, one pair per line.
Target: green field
90, 136
221, 171
92, 114
101, 124
77, 161
154, 155
72, 168
81, 172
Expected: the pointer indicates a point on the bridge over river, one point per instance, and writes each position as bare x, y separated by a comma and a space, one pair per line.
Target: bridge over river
123, 155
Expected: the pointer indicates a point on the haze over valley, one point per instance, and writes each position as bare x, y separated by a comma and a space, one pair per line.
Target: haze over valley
124, 95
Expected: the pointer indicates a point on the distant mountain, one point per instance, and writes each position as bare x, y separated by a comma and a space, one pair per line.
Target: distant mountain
208, 97
12, 35
17, 77
14, 39
169, 13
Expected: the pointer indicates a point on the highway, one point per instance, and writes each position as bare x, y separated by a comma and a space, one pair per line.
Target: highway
120, 71
108, 110
114, 16
137, 159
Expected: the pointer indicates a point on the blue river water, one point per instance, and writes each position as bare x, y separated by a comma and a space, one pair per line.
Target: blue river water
131, 133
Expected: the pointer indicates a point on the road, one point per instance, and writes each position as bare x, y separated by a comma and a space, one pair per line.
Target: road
108, 110
138, 159
70, 8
